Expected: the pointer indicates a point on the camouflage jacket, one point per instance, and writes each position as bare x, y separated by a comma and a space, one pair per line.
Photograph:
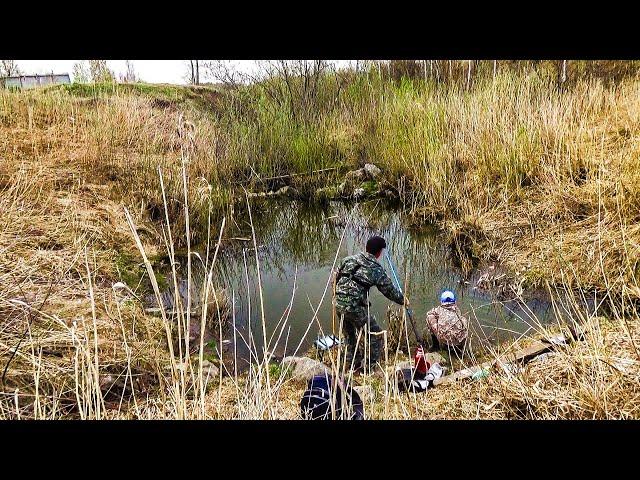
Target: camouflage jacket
355, 276
448, 325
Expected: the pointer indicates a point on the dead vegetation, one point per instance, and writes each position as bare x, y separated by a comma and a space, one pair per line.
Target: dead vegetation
565, 211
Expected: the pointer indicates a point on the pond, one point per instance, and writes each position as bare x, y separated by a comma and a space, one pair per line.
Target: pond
297, 246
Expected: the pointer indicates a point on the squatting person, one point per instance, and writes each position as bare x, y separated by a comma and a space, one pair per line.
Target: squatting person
355, 276
446, 324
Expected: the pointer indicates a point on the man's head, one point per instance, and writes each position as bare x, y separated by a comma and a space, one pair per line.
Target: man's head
375, 245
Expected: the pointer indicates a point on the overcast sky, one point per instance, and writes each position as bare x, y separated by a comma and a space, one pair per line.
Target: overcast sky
152, 71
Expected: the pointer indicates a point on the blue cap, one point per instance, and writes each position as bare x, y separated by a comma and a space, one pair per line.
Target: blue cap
447, 297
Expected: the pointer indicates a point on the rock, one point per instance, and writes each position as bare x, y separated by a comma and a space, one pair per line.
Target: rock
355, 176
358, 193
372, 171
303, 368
435, 357
366, 392
210, 373
286, 191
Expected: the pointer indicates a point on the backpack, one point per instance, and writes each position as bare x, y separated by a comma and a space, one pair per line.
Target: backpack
409, 380
316, 402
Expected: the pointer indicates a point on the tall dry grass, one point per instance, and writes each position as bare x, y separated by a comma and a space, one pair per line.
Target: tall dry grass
514, 168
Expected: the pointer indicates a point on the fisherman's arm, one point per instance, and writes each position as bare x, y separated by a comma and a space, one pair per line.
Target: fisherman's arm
386, 287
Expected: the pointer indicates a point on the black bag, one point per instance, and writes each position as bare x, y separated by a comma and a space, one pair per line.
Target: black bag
316, 402
408, 381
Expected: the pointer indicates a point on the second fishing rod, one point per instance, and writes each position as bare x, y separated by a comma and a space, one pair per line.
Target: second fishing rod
409, 311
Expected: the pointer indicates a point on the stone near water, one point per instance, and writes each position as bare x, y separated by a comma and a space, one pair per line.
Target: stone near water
358, 193
355, 176
286, 191
372, 171
303, 368
283, 191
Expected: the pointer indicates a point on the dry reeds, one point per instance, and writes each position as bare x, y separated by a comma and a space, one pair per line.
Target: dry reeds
511, 166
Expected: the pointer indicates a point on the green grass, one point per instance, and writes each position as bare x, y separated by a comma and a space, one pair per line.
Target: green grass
132, 272
169, 92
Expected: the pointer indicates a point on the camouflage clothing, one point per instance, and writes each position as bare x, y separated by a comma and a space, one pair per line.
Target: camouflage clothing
352, 325
448, 325
356, 275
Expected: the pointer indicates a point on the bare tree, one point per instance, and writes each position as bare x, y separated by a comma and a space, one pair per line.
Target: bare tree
130, 75
81, 72
225, 72
9, 68
193, 73
294, 84
304, 87
100, 72
563, 77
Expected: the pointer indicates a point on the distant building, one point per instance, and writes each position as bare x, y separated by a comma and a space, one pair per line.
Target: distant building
32, 81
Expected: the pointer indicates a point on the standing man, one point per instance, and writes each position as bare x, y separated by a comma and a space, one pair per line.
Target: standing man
356, 275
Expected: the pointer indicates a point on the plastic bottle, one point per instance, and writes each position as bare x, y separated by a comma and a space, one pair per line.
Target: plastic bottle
434, 373
480, 374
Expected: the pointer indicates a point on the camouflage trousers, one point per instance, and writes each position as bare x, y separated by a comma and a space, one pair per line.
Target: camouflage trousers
353, 325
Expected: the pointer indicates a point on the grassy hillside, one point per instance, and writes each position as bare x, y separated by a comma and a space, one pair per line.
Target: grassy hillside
513, 167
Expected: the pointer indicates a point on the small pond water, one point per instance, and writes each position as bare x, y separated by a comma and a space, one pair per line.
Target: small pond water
297, 245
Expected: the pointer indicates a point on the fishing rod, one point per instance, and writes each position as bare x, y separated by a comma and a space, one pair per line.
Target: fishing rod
407, 309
